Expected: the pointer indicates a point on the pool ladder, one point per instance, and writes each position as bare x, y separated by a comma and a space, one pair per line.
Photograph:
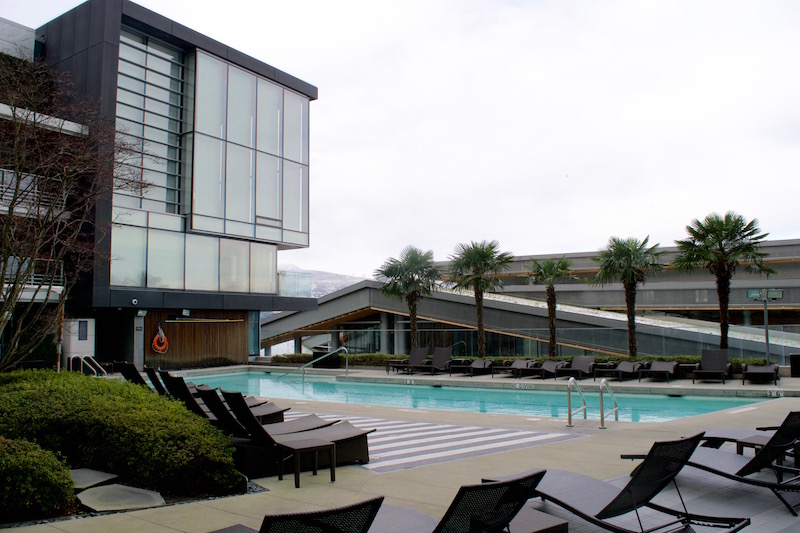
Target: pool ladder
572, 384
302, 368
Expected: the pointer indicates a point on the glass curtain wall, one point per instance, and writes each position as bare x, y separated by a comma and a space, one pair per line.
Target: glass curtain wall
251, 155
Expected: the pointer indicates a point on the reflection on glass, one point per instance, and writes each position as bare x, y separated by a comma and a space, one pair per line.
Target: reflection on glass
263, 268
128, 256
295, 197
165, 259
239, 183
202, 260
270, 104
295, 127
211, 96
268, 186
241, 107
234, 265
207, 192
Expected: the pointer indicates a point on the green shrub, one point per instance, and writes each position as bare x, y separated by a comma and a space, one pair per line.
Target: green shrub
34, 483
147, 440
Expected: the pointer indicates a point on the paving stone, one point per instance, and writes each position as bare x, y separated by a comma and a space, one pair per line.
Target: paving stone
119, 497
86, 477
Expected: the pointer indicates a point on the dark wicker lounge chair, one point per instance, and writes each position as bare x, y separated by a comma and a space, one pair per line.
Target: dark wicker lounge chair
582, 365
662, 369
622, 370
416, 357
597, 501
760, 373
356, 518
155, 381
440, 361
517, 368
478, 366
548, 368
713, 365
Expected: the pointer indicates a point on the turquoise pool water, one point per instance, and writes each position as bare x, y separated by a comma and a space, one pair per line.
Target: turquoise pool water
632, 407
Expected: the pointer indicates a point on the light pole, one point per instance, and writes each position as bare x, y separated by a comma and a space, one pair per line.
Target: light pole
765, 295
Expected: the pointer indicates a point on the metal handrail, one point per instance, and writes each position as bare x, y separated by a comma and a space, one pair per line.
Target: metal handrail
88, 361
321, 357
615, 410
572, 384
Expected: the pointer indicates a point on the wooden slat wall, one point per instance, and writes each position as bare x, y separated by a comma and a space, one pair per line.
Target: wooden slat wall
195, 344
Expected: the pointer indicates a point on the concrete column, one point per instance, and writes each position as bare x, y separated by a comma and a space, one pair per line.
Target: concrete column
386, 323
400, 342
335, 339
138, 342
298, 345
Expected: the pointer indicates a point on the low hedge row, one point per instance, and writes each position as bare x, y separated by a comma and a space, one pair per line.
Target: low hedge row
147, 440
34, 483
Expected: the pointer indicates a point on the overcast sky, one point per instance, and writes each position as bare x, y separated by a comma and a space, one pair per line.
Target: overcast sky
547, 125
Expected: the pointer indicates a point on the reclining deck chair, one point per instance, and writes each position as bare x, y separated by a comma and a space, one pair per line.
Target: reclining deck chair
440, 360
517, 369
597, 501
356, 518
351, 442
713, 365
155, 381
548, 367
416, 357
228, 423
740, 468
476, 367
581, 366
761, 373
663, 369
623, 369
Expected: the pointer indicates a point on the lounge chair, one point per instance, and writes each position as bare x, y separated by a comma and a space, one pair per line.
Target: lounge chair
582, 365
416, 357
517, 368
548, 367
741, 468
176, 386
760, 373
713, 365
623, 369
130, 373
155, 381
597, 501
440, 361
228, 422
662, 369
478, 366
351, 442
356, 518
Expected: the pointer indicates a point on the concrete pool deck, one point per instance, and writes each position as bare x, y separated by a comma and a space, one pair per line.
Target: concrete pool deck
430, 489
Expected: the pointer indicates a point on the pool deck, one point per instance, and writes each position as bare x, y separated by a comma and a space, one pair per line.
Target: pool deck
430, 489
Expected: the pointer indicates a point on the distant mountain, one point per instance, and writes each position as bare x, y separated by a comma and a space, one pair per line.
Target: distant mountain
322, 283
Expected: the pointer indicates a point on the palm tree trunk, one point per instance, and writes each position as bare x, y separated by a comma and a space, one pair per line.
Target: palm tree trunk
412, 318
551, 317
630, 304
479, 313
723, 294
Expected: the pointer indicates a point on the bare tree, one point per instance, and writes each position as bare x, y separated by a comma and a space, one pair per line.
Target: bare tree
58, 157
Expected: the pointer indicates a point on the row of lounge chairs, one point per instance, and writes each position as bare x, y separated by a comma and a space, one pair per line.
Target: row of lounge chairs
263, 440
499, 504
713, 365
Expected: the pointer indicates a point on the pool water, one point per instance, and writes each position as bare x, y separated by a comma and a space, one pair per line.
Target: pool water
632, 407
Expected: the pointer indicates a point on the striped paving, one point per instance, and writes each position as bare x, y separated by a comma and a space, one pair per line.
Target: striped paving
398, 445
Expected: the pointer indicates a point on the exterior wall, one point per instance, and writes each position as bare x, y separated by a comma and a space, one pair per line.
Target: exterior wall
16, 39
195, 344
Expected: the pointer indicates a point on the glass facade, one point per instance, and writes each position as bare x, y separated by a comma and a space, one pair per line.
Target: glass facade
223, 155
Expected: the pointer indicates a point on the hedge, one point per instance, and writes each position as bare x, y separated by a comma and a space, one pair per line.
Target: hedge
34, 483
147, 440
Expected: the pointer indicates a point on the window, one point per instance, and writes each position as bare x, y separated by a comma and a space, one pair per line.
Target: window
234, 265
202, 263
128, 256
165, 259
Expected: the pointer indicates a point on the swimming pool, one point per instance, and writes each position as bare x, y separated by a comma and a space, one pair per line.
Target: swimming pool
632, 407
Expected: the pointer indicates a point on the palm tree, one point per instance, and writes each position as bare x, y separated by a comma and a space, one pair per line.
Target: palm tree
549, 272
477, 266
629, 261
411, 277
720, 244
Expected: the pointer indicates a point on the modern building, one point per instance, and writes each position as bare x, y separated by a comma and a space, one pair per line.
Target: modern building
221, 147
678, 314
